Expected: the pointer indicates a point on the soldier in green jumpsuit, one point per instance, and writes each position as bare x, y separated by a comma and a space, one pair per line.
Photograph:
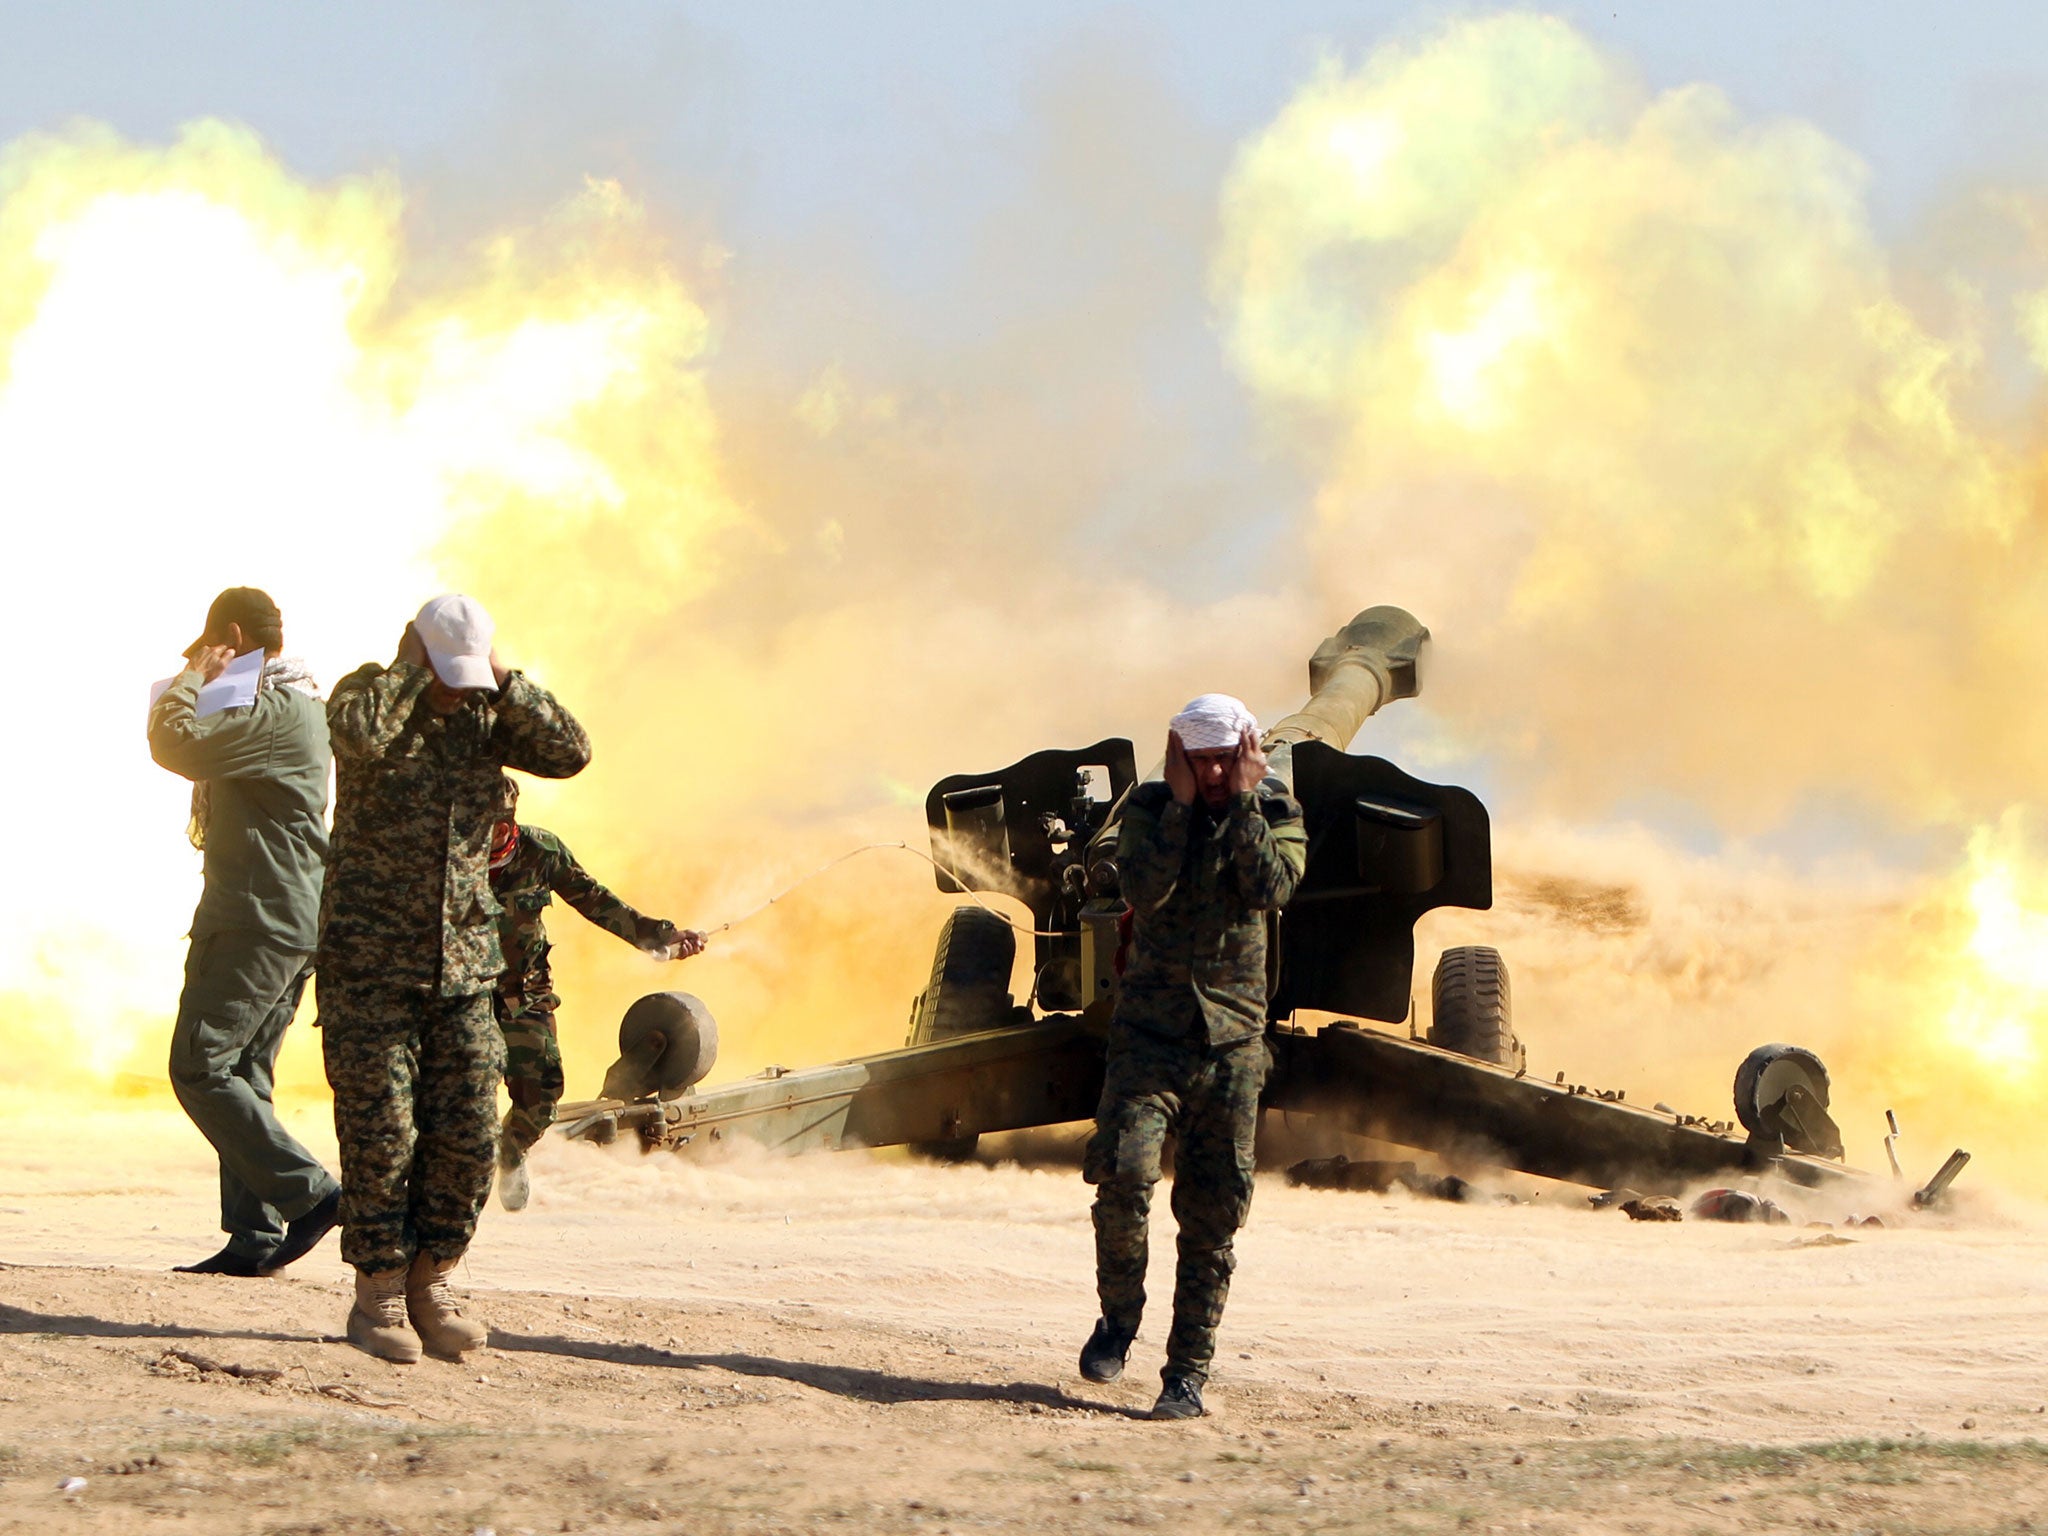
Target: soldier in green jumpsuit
1203, 857
530, 866
409, 958
259, 805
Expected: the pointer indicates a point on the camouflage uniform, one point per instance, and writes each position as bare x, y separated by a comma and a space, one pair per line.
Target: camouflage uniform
1187, 1051
409, 950
539, 868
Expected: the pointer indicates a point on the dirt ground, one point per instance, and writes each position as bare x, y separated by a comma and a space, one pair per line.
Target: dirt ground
861, 1342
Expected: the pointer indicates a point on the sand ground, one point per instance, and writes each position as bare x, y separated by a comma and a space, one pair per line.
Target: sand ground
862, 1342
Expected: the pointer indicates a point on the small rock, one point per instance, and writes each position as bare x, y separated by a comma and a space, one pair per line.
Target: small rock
1725, 1498
71, 1485
1081, 1498
1520, 1458
1969, 1423
1189, 1477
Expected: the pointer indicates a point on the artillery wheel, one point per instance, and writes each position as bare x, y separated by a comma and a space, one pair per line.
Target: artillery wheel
1781, 1093
668, 1041
970, 985
1471, 1008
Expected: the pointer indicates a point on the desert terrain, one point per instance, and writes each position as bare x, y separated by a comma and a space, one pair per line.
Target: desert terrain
864, 1342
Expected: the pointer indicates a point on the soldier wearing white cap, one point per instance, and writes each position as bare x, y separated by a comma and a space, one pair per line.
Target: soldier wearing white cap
1203, 856
409, 957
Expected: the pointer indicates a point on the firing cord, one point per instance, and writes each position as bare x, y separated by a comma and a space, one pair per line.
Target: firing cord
918, 853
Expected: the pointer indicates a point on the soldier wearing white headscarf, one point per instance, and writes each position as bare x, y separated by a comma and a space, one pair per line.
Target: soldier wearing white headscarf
1204, 855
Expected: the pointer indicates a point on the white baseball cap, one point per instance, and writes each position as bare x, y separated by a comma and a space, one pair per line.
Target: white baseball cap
457, 634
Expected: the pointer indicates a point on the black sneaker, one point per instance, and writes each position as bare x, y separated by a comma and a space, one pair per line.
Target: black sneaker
226, 1262
1102, 1357
1179, 1398
302, 1234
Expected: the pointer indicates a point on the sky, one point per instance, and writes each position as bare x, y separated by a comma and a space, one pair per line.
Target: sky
893, 176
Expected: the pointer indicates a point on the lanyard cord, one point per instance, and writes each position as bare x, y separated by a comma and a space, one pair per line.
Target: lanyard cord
918, 853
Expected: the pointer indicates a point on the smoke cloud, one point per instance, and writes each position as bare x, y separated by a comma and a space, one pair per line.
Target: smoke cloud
1732, 559
1622, 391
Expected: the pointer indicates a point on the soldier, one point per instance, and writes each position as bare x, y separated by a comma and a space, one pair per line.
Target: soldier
529, 866
259, 807
1204, 857
409, 957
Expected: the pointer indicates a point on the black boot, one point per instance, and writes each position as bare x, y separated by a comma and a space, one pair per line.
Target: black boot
226, 1262
1179, 1398
303, 1233
1102, 1357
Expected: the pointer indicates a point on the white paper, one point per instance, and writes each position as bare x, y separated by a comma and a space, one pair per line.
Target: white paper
235, 687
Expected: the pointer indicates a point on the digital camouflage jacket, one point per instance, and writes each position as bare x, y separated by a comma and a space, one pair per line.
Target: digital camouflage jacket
540, 868
408, 900
1200, 884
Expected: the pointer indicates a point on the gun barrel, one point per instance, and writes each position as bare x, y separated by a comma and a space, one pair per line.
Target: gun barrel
1366, 665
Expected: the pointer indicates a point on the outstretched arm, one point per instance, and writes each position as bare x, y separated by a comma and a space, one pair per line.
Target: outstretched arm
575, 885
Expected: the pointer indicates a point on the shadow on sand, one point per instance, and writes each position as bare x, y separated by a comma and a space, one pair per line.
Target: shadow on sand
21, 1320
839, 1380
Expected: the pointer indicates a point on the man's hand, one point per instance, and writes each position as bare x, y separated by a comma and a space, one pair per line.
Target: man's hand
1180, 773
673, 943
411, 648
209, 661
1248, 768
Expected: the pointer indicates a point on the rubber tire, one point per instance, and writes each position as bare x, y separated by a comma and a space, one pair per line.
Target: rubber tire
1472, 1008
1752, 1069
970, 985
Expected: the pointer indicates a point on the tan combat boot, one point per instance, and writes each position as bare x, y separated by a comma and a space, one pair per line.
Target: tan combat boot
430, 1301
376, 1323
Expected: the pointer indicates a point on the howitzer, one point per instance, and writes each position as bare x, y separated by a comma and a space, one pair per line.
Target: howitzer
1384, 848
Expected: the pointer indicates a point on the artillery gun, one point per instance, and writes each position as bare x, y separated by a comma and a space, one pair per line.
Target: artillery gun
1384, 848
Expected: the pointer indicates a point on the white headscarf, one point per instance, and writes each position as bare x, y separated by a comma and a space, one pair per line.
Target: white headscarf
1213, 721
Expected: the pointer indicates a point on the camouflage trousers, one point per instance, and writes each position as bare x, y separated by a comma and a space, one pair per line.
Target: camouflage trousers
415, 1080
1208, 1101
533, 1072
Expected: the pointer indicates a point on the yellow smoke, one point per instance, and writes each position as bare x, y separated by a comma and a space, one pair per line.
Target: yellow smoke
1618, 391
1623, 393
217, 373
208, 378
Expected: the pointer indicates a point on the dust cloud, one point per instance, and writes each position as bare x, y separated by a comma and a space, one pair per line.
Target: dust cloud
1720, 531
1732, 562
